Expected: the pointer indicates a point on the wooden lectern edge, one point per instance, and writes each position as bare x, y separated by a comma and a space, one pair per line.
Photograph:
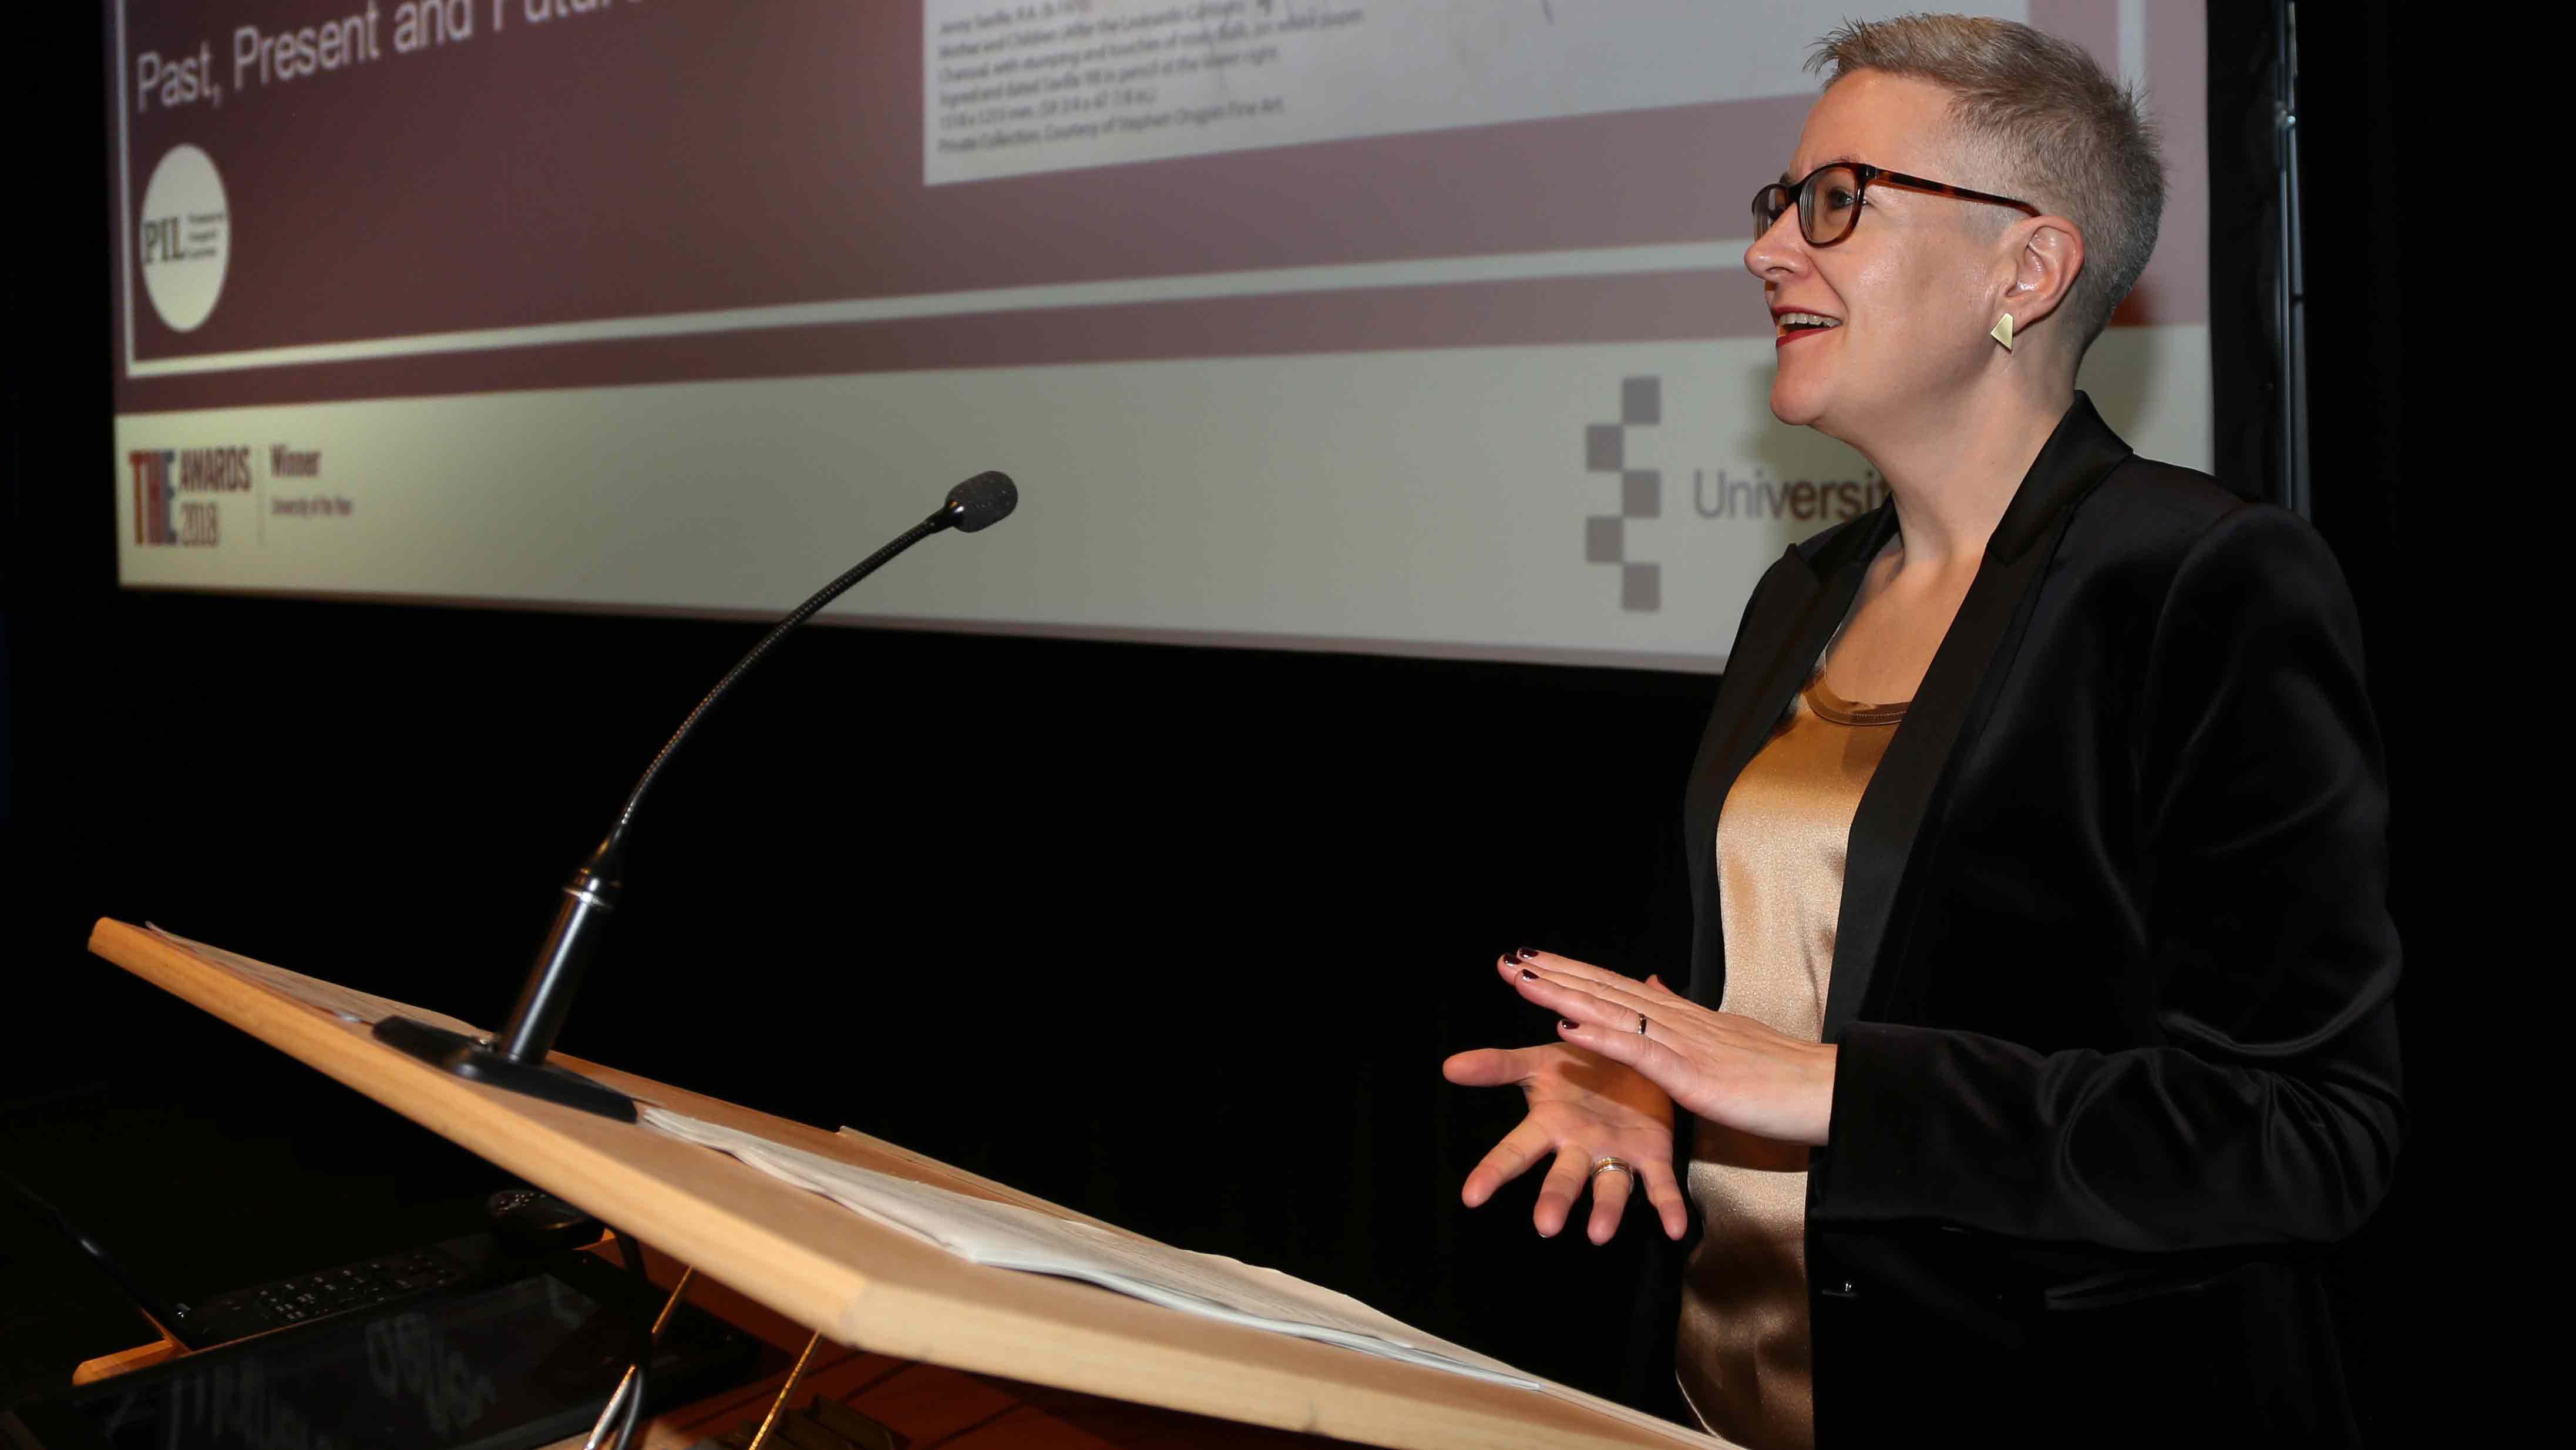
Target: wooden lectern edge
915, 1301
1406, 1405
486, 1121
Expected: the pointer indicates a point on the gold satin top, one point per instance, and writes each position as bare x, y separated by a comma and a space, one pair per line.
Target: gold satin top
1782, 837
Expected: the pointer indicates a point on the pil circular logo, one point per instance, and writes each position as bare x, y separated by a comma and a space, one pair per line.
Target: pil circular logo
185, 238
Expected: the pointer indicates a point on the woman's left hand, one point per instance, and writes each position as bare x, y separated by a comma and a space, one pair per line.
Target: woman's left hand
1726, 1068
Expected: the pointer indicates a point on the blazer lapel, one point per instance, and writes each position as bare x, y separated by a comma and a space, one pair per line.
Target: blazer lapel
1904, 793
1779, 648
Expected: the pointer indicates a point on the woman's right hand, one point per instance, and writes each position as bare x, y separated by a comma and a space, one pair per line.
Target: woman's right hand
1583, 1108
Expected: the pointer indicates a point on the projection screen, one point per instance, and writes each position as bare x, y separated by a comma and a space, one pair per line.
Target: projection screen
1406, 326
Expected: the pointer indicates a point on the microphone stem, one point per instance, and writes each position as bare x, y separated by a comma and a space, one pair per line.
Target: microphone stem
778, 631
529, 1034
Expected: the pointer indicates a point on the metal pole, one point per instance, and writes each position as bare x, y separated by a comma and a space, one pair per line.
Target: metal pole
2291, 311
779, 1405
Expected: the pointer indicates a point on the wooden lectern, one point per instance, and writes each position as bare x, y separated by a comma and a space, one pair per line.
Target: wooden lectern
857, 1283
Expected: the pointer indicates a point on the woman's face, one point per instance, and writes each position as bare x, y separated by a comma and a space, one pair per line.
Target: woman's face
1909, 289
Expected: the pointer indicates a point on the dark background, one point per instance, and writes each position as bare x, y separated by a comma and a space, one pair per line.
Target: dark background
1177, 936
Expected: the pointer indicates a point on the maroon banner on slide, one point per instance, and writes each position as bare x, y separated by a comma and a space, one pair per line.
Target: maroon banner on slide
629, 158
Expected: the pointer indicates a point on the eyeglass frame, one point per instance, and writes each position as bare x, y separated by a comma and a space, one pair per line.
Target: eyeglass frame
1864, 174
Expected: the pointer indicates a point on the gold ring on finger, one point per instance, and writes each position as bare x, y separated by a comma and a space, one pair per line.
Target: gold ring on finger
1603, 1165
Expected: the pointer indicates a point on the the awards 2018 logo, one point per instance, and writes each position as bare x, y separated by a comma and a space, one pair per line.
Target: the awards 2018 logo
161, 475
184, 238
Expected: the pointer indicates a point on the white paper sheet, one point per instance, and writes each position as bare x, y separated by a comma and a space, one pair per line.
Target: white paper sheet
1008, 1236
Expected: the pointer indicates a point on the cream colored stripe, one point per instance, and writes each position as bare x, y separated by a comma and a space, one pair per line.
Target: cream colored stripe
1270, 281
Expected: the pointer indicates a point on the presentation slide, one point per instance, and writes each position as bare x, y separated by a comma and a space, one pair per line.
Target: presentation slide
1405, 326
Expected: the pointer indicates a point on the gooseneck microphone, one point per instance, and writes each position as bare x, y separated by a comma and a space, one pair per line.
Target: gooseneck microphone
515, 1056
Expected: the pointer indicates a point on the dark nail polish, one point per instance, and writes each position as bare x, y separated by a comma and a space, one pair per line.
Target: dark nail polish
1565, 1022
1522, 954
1528, 976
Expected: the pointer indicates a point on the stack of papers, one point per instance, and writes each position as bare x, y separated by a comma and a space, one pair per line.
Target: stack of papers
1007, 1236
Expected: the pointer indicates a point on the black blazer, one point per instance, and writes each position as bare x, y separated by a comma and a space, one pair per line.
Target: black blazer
2112, 978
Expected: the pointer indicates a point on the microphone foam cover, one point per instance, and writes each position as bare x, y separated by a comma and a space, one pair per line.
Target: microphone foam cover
982, 501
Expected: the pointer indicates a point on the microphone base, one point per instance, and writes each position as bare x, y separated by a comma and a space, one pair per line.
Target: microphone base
474, 1060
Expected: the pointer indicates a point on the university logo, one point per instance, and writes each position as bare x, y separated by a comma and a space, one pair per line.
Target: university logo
1641, 494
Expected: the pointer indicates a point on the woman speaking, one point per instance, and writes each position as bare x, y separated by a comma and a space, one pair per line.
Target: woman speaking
2038, 1026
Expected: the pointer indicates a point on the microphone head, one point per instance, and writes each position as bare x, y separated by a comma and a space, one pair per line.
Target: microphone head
981, 502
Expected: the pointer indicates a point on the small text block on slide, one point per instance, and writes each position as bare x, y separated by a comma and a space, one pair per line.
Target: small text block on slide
1011, 89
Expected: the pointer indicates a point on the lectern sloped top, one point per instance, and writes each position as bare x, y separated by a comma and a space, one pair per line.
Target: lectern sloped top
859, 1282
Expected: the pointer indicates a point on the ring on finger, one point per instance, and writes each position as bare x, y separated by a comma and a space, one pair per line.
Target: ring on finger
1604, 1165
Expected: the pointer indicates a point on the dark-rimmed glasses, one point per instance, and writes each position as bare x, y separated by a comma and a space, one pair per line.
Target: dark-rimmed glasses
1828, 199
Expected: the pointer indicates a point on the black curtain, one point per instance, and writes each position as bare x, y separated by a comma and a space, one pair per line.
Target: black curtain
2381, 114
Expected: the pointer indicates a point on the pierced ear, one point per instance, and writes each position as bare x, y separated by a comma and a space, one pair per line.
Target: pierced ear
2048, 259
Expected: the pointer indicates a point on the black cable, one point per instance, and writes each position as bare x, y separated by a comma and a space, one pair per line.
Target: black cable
632, 1254
634, 1410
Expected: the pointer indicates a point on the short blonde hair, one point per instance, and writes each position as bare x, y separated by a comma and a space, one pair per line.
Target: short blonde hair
2058, 131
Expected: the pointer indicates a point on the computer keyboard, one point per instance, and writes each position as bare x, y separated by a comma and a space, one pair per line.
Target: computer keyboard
318, 1295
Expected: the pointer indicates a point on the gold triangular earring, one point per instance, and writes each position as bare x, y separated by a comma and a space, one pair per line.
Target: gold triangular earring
2003, 332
